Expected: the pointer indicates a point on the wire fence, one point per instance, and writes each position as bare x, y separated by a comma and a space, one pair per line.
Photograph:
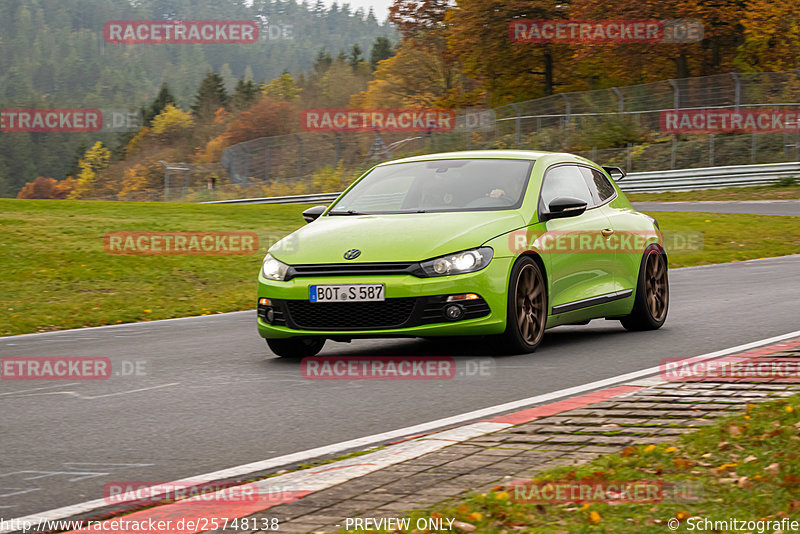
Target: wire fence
616, 126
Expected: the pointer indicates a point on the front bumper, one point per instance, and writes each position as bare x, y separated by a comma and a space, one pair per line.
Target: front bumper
412, 307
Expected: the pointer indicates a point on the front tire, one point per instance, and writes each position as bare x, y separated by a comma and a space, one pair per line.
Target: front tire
527, 307
296, 347
652, 293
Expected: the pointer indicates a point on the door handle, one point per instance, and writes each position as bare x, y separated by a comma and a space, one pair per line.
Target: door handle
607, 232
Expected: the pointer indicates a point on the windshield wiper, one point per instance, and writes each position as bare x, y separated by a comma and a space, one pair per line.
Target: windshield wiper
346, 212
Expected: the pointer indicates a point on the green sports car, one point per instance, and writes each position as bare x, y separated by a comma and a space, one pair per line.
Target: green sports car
493, 243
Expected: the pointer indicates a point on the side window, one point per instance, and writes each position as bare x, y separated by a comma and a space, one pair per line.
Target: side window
599, 184
565, 181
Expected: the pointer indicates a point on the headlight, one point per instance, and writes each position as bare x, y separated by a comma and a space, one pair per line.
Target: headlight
274, 269
462, 262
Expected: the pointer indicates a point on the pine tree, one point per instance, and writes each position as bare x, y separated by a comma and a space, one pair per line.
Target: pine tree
355, 56
381, 49
157, 106
245, 94
210, 96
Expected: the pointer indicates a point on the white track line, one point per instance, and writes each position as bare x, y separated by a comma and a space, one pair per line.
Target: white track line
375, 439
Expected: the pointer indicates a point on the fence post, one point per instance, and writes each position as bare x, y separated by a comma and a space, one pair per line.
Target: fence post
628, 159
569, 107
676, 104
594, 154
187, 182
166, 178
266, 161
673, 157
516, 123
676, 94
711, 150
621, 99
299, 155
753, 148
737, 91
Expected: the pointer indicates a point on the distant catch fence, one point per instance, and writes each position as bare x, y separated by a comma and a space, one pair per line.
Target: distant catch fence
620, 126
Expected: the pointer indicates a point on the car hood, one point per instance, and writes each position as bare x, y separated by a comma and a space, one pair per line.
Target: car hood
392, 238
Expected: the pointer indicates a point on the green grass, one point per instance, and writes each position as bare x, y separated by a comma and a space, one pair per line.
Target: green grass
729, 237
761, 192
56, 273
745, 467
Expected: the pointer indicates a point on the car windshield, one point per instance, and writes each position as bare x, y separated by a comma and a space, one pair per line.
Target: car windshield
437, 186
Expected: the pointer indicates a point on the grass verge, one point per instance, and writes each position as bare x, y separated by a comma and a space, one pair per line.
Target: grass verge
57, 275
745, 467
759, 192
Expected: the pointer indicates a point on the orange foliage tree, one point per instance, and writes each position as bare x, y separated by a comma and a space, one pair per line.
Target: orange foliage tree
43, 187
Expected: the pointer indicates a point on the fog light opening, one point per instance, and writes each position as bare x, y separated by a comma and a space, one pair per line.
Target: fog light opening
463, 296
454, 312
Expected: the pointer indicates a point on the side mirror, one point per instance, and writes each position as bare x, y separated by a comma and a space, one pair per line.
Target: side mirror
615, 172
311, 214
562, 207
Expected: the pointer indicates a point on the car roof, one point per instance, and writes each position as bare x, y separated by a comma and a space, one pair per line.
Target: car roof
490, 154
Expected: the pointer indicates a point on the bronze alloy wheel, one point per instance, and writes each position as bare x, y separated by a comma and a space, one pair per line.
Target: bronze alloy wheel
651, 303
657, 294
530, 304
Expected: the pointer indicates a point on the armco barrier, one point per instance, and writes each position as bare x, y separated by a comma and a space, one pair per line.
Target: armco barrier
640, 182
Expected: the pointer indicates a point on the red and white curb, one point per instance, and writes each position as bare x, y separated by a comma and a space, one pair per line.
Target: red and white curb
191, 516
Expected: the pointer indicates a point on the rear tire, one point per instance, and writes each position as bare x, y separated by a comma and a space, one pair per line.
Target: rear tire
296, 347
526, 314
652, 293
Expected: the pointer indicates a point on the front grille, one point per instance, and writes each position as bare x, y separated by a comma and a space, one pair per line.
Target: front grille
347, 269
391, 313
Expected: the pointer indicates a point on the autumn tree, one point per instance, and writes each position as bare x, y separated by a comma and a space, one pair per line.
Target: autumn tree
282, 88
620, 64
171, 124
43, 187
94, 160
510, 71
422, 72
267, 117
771, 36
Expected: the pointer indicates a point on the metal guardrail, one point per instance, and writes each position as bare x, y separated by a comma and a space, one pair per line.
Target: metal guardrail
708, 177
640, 182
322, 198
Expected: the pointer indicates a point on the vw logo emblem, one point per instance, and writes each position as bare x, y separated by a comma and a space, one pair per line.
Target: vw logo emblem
352, 254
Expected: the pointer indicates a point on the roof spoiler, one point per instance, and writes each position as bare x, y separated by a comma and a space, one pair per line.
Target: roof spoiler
615, 172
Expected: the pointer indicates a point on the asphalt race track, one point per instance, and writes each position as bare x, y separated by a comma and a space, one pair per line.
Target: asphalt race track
755, 207
214, 397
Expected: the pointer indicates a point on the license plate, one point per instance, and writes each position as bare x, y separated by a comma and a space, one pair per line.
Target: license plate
348, 293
